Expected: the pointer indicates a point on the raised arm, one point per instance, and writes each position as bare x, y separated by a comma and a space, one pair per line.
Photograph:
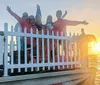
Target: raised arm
63, 16
74, 23
19, 19
38, 11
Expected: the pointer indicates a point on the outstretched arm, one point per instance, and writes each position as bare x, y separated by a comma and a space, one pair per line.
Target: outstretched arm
74, 23
38, 12
64, 14
14, 14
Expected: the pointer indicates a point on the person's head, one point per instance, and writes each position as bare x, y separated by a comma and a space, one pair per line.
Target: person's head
31, 19
82, 31
49, 19
25, 15
58, 14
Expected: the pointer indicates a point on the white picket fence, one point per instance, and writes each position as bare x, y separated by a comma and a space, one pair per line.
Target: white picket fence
60, 61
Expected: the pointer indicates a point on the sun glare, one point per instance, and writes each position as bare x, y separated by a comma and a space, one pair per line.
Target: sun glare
96, 47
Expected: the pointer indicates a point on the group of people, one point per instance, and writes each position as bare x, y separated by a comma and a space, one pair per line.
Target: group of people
35, 22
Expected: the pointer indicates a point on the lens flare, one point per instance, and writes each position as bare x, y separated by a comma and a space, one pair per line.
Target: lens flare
96, 47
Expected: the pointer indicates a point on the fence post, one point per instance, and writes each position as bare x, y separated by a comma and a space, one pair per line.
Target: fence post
5, 49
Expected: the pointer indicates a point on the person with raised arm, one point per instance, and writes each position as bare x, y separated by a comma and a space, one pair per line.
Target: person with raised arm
60, 24
49, 23
19, 29
28, 24
23, 22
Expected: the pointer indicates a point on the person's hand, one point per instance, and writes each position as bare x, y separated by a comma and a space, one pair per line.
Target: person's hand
38, 6
8, 8
65, 12
85, 22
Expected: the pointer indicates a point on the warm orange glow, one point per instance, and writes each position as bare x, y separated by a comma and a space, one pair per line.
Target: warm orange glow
96, 47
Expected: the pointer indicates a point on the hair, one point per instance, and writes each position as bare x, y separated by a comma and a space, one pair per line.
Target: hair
25, 14
59, 11
82, 29
49, 16
31, 17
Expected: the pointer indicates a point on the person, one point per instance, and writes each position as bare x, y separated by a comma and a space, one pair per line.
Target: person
60, 24
83, 43
24, 23
17, 26
31, 20
49, 23
28, 24
19, 29
59, 14
82, 33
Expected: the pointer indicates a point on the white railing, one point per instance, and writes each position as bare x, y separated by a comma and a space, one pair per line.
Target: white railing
67, 57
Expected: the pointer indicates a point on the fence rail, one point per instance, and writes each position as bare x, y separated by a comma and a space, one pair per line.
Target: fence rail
44, 49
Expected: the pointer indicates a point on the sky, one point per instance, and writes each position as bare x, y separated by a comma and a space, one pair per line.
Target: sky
78, 10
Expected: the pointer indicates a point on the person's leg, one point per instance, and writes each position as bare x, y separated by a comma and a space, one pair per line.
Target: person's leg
2, 66
22, 44
65, 49
1, 70
59, 46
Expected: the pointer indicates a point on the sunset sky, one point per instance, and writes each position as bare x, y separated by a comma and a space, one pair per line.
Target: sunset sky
77, 10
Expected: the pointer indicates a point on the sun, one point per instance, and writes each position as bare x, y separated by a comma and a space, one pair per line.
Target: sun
96, 47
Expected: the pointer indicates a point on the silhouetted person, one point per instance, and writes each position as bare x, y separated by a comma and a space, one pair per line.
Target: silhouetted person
83, 47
